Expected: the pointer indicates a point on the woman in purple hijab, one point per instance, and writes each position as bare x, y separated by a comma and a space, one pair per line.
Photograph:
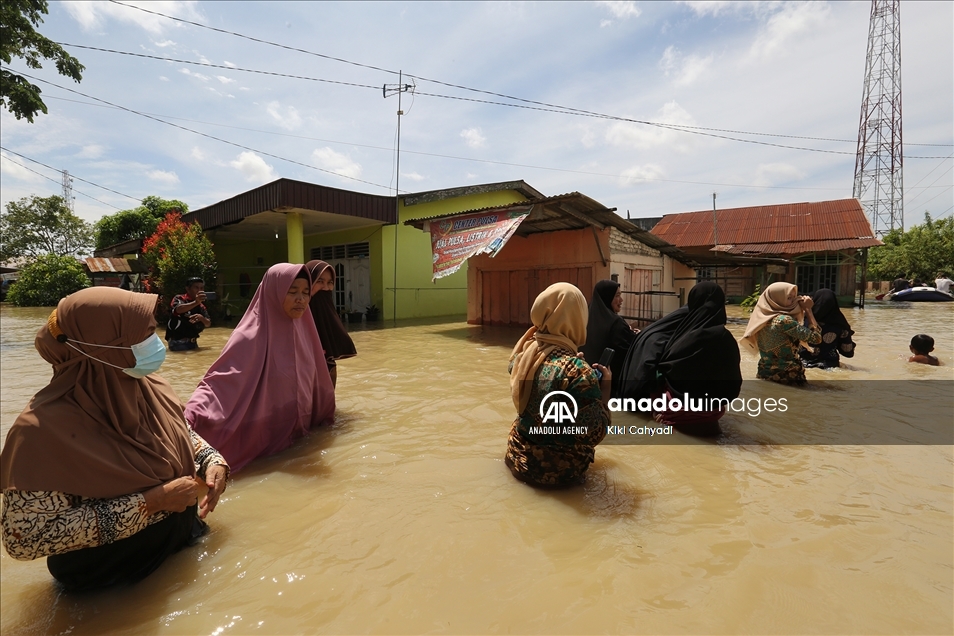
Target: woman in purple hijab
270, 385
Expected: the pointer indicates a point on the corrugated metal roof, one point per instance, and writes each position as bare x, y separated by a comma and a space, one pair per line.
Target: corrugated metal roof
284, 194
798, 247
808, 224
113, 265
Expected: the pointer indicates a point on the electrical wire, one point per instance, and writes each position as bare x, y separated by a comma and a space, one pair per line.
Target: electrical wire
545, 105
73, 175
54, 180
196, 132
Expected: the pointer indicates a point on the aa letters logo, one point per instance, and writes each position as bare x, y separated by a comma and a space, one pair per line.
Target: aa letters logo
555, 408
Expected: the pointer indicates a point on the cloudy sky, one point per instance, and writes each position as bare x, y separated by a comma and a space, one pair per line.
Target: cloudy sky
208, 129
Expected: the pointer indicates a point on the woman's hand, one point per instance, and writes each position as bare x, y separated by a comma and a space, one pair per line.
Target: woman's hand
215, 479
172, 496
806, 302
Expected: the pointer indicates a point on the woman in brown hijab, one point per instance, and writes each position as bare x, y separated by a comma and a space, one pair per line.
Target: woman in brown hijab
334, 338
98, 473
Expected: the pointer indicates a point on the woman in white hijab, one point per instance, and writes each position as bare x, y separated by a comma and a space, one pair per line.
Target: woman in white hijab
775, 329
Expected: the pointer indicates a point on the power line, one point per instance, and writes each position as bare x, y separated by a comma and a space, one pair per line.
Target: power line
542, 106
72, 175
196, 132
53, 180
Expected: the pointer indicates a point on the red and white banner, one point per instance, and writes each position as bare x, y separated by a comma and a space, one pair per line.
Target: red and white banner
455, 239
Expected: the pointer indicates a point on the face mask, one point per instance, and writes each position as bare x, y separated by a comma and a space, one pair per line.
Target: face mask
150, 354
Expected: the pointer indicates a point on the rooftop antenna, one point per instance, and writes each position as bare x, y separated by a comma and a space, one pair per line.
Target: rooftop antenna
391, 89
879, 162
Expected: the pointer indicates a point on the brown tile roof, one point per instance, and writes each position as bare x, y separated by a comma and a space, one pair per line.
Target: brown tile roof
790, 228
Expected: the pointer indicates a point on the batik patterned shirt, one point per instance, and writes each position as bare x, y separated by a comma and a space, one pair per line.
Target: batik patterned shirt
778, 345
41, 523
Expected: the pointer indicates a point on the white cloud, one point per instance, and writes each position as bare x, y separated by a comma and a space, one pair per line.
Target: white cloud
229, 64
164, 177
473, 137
413, 176
12, 167
790, 21
641, 174
605, 23
644, 137
713, 7
224, 80
164, 43
253, 167
91, 151
290, 120
471, 176
684, 69
336, 162
199, 76
768, 174
164, 78
93, 15
621, 9
197, 153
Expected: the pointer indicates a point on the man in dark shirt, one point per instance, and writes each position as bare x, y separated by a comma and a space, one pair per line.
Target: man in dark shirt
900, 283
189, 317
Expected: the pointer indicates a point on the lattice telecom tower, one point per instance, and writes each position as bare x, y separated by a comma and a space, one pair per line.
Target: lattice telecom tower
879, 179
67, 189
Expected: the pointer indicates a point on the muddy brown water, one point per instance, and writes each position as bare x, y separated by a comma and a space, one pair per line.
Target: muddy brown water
402, 517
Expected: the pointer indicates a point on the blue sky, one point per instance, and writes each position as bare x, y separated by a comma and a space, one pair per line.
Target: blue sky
779, 68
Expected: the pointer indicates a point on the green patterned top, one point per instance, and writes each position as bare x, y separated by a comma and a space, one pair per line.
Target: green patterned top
778, 345
551, 454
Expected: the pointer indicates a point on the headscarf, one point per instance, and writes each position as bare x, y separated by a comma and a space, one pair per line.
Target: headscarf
702, 357
334, 337
559, 321
671, 345
94, 431
605, 328
270, 384
773, 302
826, 310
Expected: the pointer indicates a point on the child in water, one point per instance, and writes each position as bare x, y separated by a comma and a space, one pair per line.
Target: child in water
921, 346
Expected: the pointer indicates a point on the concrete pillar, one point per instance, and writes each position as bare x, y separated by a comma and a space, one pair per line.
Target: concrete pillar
296, 238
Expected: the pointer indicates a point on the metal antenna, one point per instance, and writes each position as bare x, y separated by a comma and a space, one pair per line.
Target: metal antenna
67, 190
879, 163
391, 89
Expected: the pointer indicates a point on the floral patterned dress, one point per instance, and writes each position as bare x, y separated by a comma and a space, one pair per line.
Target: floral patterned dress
778, 349
557, 455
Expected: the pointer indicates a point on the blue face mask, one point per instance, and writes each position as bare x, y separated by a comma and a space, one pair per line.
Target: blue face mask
150, 354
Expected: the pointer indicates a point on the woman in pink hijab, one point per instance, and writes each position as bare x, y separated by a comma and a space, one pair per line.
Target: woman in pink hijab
270, 385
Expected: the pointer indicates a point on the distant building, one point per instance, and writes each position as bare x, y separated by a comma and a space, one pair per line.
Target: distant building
813, 245
571, 238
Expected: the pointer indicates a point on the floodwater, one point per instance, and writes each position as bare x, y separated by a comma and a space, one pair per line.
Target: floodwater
402, 517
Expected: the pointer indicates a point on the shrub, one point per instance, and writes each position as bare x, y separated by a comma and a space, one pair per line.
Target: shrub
748, 303
46, 281
176, 252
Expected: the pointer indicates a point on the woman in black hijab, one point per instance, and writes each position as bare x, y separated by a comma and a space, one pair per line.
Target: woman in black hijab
334, 338
605, 328
836, 333
687, 353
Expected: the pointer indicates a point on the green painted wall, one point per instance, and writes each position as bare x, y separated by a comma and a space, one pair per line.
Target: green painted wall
417, 296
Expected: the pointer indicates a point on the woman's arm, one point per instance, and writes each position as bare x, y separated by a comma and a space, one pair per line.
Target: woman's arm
41, 523
790, 327
211, 467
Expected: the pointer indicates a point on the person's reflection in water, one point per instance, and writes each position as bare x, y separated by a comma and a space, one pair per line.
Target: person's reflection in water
99, 471
545, 359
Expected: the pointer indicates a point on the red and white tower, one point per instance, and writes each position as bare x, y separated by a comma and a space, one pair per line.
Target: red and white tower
879, 179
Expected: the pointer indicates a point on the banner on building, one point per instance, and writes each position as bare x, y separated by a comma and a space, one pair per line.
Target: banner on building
457, 238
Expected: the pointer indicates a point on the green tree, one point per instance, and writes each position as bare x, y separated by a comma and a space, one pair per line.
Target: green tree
920, 252
19, 39
48, 279
35, 226
137, 223
176, 252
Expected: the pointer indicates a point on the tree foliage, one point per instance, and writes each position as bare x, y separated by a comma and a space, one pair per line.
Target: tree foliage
19, 39
137, 223
36, 225
920, 252
175, 252
45, 281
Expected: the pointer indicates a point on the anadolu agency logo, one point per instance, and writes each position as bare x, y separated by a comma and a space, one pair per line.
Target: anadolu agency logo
555, 408
559, 409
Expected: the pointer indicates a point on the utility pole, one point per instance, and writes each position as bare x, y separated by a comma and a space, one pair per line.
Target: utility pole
391, 89
879, 162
